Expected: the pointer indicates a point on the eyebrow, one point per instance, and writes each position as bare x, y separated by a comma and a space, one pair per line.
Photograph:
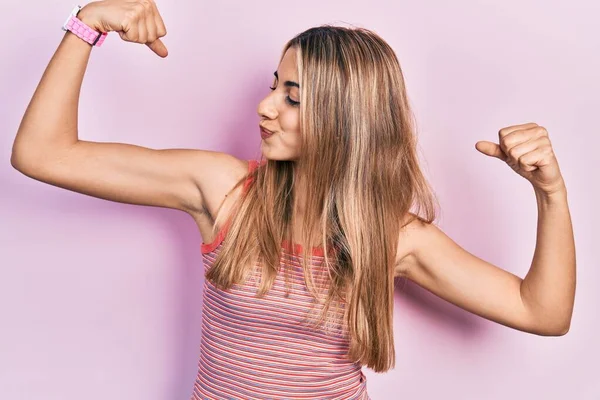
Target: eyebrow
287, 83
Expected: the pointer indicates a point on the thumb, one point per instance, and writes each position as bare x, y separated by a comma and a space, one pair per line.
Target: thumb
159, 48
490, 149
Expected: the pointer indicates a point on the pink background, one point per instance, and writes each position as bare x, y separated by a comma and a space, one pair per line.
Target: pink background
102, 300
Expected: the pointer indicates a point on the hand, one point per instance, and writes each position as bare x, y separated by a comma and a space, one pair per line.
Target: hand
136, 21
527, 150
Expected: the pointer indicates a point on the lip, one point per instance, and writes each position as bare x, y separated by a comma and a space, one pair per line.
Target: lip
265, 133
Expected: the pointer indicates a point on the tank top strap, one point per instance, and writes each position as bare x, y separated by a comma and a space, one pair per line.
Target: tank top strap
252, 165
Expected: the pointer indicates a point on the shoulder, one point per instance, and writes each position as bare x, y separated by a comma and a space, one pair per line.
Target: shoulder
218, 178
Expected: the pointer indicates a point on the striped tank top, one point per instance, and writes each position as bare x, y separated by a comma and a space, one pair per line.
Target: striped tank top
255, 348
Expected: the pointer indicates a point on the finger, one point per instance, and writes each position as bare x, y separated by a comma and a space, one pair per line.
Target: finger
490, 149
513, 139
520, 136
516, 153
149, 20
540, 157
161, 29
159, 48
532, 160
151, 26
505, 131
129, 32
142, 30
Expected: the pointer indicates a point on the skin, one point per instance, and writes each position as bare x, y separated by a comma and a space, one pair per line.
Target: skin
278, 115
542, 302
48, 149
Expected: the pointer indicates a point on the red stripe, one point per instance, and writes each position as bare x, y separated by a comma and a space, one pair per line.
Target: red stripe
260, 347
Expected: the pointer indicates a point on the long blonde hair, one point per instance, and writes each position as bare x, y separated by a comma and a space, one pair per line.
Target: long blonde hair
360, 159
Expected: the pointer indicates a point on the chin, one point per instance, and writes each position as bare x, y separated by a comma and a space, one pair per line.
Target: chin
269, 154
272, 157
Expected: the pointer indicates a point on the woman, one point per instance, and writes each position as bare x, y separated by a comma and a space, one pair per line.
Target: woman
302, 248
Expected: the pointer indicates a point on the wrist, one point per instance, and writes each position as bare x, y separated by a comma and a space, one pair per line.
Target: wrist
550, 197
83, 23
86, 15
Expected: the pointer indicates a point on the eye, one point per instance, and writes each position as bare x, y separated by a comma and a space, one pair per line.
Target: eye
287, 99
291, 102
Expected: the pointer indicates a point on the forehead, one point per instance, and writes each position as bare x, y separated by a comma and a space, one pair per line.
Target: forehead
288, 65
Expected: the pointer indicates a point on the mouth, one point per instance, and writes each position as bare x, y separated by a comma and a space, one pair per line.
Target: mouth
265, 133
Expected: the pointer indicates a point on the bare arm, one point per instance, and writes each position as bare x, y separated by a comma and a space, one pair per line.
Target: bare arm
542, 302
548, 289
50, 121
47, 147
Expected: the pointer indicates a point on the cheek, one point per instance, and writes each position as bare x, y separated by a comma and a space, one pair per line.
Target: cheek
290, 122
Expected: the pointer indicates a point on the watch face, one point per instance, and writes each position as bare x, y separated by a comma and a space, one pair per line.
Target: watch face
73, 13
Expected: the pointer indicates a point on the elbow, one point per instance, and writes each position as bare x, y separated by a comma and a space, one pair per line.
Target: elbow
14, 161
18, 162
559, 332
564, 330
17, 156
24, 165
564, 326
26, 159
553, 329
24, 152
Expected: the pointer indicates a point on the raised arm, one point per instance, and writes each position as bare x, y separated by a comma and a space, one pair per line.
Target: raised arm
542, 302
47, 147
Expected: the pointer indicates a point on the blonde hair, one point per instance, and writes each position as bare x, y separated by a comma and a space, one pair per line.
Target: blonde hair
357, 125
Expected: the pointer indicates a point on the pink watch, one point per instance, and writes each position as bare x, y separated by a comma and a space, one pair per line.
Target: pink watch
76, 26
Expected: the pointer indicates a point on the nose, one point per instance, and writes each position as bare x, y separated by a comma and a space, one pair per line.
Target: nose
266, 108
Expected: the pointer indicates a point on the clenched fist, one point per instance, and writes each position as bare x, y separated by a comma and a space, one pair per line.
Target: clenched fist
135, 21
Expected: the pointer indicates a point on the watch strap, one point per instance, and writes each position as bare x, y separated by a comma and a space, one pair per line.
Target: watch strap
83, 31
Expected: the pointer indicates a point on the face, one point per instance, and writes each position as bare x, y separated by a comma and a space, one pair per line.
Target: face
280, 112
